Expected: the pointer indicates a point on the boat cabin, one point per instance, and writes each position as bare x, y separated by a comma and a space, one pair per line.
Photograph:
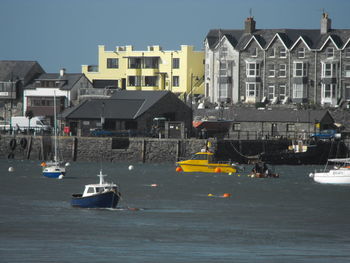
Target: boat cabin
93, 189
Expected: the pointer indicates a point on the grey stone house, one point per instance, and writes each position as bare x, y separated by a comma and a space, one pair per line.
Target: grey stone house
278, 66
14, 76
127, 111
39, 95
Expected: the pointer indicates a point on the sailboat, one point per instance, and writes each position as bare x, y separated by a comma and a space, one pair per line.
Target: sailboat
55, 168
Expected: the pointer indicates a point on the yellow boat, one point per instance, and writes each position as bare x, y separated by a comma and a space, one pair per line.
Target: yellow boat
205, 162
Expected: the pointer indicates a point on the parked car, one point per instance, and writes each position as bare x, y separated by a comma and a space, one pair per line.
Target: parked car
326, 134
100, 132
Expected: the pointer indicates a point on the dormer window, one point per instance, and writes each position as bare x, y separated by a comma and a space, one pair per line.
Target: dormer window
301, 52
254, 52
330, 52
347, 52
271, 53
283, 52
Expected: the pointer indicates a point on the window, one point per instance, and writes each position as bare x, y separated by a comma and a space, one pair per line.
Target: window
254, 52
271, 92
150, 62
299, 69
301, 52
271, 70
347, 91
223, 52
298, 91
282, 70
112, 63
282, 92
328, 91
328, 70
252, 89
236, 127
330, 52
253, 69
176, 63
134, 62
347, 70
134, 81
290, 127
347, 52
271, 52
150, 81
283, 52
176, 82
223, 69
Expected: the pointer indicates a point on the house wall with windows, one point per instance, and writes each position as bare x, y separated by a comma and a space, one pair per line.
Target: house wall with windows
179, 71
280, 66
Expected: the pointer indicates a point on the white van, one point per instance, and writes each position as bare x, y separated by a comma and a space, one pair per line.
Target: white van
37, 123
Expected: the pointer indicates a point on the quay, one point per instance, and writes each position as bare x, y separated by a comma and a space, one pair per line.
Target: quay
147, 150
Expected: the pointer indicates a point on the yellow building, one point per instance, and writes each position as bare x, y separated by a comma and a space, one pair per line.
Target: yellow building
179, 71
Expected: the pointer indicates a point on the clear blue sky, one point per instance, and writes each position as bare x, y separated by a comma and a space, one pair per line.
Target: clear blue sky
66, 33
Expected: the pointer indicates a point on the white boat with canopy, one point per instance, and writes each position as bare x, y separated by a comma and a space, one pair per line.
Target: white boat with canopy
339, 174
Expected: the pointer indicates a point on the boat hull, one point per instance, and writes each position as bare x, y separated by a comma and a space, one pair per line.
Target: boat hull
54, 171
108, 199
209, 168
332, 177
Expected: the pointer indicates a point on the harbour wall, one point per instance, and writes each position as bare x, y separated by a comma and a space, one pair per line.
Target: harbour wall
146, 150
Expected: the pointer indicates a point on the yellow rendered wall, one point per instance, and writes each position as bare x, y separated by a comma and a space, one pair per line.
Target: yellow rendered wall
191, 64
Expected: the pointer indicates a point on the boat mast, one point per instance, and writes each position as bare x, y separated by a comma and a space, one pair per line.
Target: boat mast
55, 125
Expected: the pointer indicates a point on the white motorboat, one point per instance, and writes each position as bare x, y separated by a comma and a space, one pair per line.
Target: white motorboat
339, 174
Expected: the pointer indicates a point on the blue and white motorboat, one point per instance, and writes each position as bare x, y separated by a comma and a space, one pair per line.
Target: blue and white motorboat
102, 195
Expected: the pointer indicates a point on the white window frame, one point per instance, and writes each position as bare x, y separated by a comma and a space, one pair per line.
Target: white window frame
252, 89
297, 71
347, 70
330, 52
283, 52
301, 52
347, 91
328, 93
282, 73
271, 92
252, 69
298, 91
271, 70
329, 70
347, 52
272, 52
282, 95
254, 52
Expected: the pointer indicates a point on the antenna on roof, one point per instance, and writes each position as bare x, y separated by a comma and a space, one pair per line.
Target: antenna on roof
250, 12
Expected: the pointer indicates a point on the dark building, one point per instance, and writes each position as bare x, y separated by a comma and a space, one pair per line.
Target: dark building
132, 112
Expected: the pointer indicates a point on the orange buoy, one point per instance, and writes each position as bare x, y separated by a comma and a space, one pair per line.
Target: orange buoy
226, 195
178, 169
217, 170
43, 164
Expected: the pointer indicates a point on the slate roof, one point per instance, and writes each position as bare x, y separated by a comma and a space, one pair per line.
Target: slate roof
121, 105
273, 115
68, 80
312, 37
12, 69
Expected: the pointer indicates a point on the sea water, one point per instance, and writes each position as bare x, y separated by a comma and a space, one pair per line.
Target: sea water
167, 216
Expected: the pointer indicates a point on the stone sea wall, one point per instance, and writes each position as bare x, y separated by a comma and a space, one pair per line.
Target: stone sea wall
97, 149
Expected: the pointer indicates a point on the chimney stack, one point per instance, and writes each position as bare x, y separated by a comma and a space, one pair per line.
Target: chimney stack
325, 23
62, 72
249, 25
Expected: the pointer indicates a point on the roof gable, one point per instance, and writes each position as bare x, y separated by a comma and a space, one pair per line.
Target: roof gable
16, 69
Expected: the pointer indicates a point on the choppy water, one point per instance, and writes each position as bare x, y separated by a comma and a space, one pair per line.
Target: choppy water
290, 219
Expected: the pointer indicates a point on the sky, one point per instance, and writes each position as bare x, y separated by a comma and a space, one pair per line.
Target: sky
66, 33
